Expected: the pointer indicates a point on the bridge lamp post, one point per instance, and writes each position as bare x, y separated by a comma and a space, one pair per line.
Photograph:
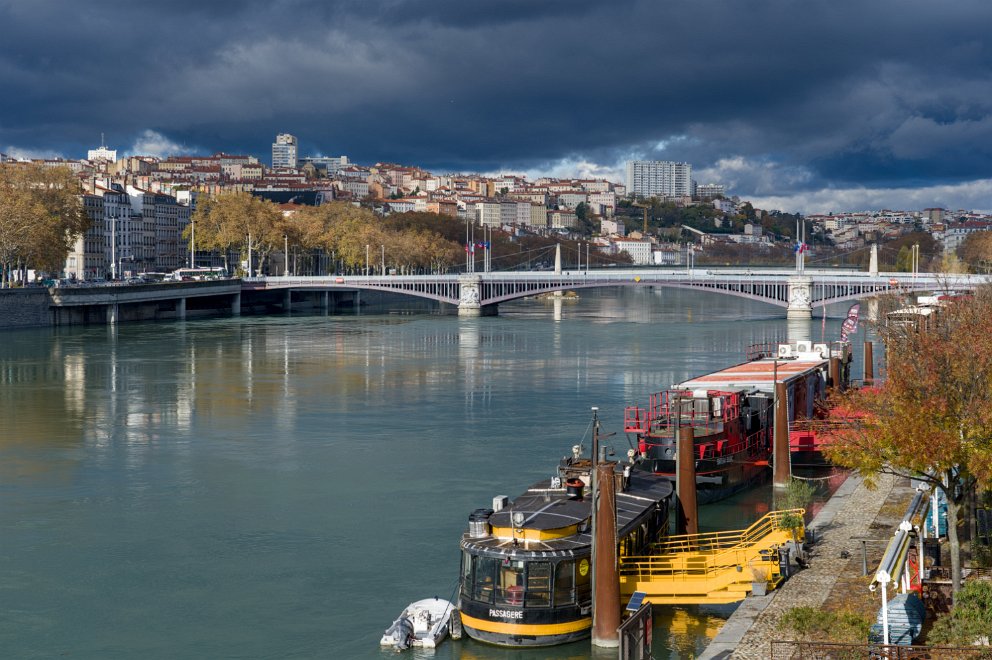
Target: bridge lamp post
285, 255
366, 260
383, 259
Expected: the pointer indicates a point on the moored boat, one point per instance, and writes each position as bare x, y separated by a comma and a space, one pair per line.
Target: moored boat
731, 414
526, 563
423, 623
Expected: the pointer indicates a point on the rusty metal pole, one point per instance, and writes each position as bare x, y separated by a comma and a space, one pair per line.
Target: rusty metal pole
834, 373
783, 457
606, 608
685, 485
869, 378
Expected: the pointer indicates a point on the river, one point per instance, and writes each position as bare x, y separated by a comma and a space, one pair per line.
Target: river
282, 486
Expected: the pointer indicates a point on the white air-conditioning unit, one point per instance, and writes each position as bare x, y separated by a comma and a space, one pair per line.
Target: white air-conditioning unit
823, 350
784, 351
804, 346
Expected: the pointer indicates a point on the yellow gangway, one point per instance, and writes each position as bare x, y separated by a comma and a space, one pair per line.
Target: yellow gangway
717, 567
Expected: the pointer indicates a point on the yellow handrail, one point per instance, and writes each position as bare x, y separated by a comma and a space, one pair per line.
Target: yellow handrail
712, 552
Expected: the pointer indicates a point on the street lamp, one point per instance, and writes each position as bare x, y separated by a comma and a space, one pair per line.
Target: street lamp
383, 259
285, 256
366, 260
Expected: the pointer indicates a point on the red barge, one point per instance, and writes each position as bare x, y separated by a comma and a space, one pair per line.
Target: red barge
731, 413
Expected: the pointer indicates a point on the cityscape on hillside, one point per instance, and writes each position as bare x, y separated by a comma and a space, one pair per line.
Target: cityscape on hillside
659, 215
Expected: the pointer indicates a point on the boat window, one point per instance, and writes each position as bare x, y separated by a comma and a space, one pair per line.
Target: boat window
510, 590
583, 589
485, 578
565, 583
538, 592
467, 574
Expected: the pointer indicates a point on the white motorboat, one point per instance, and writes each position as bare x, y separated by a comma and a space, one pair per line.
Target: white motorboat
423, 623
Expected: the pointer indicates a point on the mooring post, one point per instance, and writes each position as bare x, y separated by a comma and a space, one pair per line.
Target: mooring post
606, 608
869, 378
685, 485
834, 373
783, 457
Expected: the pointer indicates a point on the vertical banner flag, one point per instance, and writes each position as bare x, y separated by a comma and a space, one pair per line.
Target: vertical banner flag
850, 325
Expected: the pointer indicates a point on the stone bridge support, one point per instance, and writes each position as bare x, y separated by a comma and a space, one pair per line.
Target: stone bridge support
470, 297
800, 298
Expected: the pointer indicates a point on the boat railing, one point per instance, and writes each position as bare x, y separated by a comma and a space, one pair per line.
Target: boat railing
713, 552
712, 449
671, 409
761, 350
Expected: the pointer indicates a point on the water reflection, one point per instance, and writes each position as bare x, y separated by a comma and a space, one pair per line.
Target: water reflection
265, 474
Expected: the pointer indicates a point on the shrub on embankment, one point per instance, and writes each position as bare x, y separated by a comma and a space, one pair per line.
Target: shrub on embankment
815, 624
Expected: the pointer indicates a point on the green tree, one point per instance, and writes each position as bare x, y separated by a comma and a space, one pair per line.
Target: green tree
932, 420
976, 251
41, 216
969, 623
585, 220
239, 221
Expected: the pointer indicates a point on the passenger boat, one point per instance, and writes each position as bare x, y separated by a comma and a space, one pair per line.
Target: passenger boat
731, 414
526, 564
423, 623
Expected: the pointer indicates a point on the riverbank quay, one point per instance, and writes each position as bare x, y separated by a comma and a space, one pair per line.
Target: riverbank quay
112, 303
854, 523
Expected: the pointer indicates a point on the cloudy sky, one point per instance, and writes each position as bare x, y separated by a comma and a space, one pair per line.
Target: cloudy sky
810, 106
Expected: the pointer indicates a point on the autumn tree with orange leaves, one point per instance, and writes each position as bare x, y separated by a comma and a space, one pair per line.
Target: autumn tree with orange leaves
932, 418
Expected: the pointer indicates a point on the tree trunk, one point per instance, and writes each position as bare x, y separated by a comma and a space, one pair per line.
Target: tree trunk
953, 508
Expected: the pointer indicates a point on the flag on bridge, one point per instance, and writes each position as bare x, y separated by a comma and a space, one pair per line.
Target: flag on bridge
800, 247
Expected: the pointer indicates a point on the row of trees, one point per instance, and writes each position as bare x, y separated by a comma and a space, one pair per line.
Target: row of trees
932, 419
351, 238
254, 228
41, 216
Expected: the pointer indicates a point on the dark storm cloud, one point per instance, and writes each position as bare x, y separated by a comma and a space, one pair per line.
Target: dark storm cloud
771, 94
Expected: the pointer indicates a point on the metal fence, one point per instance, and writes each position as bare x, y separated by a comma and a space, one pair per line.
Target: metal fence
834, 651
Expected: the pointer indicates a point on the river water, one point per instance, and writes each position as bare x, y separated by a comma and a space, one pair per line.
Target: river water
282, 486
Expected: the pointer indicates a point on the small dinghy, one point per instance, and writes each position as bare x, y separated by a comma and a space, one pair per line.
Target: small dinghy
423, 623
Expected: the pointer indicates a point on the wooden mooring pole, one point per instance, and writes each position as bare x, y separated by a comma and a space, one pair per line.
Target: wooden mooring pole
606, 608
869, 378
685, 485
783, 457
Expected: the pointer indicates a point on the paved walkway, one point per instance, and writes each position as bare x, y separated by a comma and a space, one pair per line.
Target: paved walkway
832, 579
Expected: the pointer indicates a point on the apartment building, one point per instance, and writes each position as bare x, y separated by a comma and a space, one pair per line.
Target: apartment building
659, 178
285, 152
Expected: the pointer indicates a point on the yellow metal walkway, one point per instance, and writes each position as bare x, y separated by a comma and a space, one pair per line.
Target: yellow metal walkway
717, 567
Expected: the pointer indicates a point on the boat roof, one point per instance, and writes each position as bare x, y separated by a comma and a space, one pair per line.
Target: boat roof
547, 508
761, 375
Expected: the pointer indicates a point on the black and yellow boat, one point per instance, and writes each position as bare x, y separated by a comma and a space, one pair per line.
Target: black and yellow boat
526, 565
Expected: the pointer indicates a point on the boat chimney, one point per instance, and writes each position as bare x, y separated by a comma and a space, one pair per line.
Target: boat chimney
574, 487
478, 523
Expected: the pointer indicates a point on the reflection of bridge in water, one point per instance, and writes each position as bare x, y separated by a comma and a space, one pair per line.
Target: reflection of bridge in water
480, 293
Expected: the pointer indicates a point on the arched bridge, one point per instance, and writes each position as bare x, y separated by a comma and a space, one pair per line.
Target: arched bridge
480, 293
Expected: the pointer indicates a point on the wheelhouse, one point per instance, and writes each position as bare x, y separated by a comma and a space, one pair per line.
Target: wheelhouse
526, 569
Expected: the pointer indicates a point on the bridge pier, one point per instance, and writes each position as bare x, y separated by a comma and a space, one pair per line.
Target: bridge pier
470, 298
236, 304
287, 300
113, 314
800, 298
181, 309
